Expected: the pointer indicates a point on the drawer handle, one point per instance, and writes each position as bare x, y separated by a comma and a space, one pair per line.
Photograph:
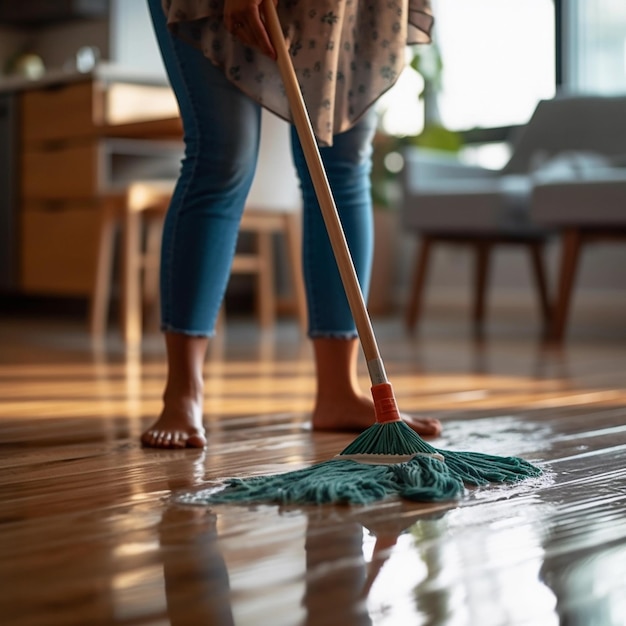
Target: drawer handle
53, 206
55, 87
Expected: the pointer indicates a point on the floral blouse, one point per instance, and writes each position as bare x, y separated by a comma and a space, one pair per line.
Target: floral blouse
346, 53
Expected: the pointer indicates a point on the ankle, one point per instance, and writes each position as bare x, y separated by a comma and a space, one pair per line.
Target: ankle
179, 390
344, 397
336, 369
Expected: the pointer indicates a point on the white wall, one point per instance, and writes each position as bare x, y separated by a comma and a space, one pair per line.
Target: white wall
132, 41
275, 184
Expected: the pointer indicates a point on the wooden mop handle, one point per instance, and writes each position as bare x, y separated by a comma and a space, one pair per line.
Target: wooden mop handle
324, 196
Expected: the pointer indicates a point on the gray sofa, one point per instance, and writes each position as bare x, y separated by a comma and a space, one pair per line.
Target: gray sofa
564, 172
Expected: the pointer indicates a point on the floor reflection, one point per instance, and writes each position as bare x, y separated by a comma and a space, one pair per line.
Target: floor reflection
325, 566
592, 589
591, 585
486, 562
197, 585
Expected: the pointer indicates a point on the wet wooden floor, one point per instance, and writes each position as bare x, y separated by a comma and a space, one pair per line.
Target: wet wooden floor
91, 533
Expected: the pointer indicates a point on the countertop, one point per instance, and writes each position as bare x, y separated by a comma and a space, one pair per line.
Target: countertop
105, 72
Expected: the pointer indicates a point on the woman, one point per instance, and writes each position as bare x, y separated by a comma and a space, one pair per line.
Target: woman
221, 66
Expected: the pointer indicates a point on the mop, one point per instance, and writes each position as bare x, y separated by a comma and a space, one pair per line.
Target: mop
388, 458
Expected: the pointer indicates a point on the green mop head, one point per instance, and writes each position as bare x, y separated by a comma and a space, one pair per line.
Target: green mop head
388, 459
422, 478
391, 433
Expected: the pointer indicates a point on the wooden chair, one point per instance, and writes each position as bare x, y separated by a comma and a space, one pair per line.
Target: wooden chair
140, 209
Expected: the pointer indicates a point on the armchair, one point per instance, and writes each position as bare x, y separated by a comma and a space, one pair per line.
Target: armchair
524, 203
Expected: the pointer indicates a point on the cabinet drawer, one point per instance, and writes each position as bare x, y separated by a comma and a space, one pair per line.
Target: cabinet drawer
85, 169
66, 172
59, 248
61, 112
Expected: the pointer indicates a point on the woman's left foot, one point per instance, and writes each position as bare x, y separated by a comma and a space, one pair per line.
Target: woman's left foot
357, 414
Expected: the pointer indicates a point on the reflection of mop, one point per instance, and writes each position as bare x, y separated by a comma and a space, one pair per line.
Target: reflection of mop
388, 458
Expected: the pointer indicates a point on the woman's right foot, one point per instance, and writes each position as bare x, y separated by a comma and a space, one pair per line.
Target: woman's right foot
179, 426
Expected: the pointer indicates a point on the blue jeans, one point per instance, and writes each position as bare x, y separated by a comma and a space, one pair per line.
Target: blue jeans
221, 134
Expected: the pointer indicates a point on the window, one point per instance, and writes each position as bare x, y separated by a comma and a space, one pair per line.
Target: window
595, 51
498, 60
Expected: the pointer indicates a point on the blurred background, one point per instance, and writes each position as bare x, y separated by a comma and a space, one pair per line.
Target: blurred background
85, 111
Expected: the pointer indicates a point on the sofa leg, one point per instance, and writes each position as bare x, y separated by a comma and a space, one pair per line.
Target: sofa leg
481, 275
414, 306
538, 267
571, 245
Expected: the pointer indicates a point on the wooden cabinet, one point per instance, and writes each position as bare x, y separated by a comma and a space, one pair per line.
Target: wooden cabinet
69, 159
62, 112
67, 172
59, 243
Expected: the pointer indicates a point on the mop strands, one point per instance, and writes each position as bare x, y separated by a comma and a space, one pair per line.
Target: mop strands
388, 459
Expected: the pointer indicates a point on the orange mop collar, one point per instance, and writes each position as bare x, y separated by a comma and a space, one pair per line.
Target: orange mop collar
385, 404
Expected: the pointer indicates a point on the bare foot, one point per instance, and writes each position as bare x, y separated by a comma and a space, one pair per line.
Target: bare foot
179, 426
357, 413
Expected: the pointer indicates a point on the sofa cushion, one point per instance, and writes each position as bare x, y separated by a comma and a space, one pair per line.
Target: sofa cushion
569, 165
492, 205
598, 200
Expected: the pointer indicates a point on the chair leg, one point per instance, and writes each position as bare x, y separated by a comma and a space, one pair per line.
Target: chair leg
571, 246
131, 306
294, 247
414, 305
100, 296
266, 297
154, 234
539, 272
483, 253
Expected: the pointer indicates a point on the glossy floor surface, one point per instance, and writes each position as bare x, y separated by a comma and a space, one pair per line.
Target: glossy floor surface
91, 531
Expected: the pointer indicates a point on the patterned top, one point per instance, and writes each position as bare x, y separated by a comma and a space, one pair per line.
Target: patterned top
346, 54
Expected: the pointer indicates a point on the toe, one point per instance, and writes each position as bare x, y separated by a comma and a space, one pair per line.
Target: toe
178, 440
196, 440
156, 439
148, 438
172, 440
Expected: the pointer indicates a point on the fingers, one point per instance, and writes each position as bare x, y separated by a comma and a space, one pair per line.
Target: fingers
248, 26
